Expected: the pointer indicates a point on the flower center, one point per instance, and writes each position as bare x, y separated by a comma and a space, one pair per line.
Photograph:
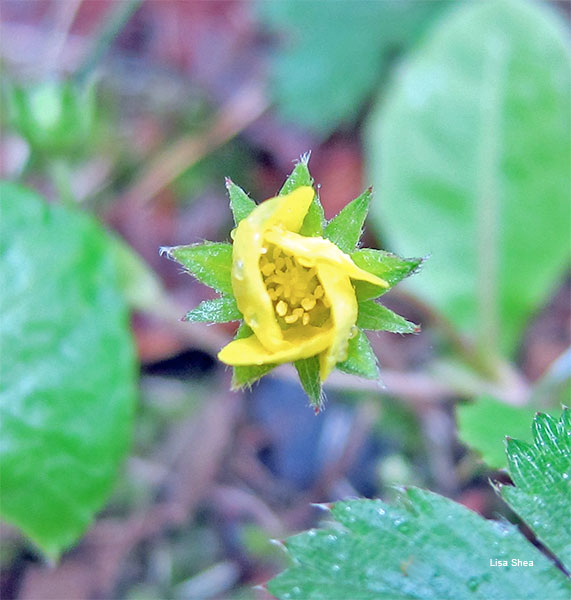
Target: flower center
294, 289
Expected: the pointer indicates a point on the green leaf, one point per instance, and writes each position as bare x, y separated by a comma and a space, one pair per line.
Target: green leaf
67, 373
345, 229
240, 203
377, 317
484, 423
308, 371
361, 359
464, 180
218, 310
385, 265
210, 263
541, 473
298, 177
246, 376
333, 55
425, 547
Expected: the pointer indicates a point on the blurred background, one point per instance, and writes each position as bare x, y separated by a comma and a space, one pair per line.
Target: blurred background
134, 112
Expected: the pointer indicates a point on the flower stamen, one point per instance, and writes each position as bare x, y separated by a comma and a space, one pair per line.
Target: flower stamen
293, 288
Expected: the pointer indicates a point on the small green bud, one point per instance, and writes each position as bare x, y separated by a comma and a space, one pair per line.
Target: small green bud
56, 118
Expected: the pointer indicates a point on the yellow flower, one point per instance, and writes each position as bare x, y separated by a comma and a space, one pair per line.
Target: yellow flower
295, 292
302, 288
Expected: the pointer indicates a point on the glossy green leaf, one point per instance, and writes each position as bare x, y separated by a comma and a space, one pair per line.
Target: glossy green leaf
332, 55
210, 263
470, 150
246, 376
67, 372
218, 310
361, 359
299, 177
541, 472
484, 424
376, 317
346, 228
425, 547
240, 203
308, 371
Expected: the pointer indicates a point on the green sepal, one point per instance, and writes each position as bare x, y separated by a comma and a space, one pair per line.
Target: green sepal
210, 263
314, 219
345, 229
376, 317
385, 265
247, 375
58, 118
218, 310
240, 203
308, 371
361, 359
299, 177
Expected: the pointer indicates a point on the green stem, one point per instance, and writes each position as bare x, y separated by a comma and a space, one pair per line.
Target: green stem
61, 176
487, 204
487, 366
64, 14
552, 383
109, 30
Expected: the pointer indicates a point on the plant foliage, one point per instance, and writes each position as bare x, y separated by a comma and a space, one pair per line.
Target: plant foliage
67, 371
470, 149
425, 546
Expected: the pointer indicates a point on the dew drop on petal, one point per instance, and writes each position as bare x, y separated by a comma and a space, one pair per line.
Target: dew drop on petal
239, 270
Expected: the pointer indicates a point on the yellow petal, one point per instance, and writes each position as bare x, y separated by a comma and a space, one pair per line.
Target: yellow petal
298, 343
312, 251
287, 212
340, 292
248, 285
251, 295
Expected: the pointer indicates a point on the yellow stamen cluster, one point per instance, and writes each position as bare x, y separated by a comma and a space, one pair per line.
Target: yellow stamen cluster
294, 289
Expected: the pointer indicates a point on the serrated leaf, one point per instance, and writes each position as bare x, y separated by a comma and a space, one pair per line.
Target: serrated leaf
541, 472
345, 229
461, 177
361, 359
68, 372
240, 203
484, 424
426, 547
376, 317
308, 371
218, 310
210, 263
246, 376
386, 265
298, 177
